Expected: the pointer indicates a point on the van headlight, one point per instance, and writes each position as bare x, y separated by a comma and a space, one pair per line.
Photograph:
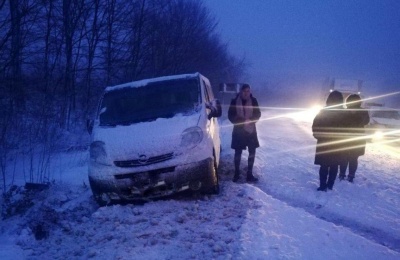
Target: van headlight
191, 137
98, 153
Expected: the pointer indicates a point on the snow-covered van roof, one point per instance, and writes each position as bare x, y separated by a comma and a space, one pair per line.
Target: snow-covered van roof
144, 82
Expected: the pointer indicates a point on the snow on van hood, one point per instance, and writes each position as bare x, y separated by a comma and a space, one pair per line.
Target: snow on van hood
150, 138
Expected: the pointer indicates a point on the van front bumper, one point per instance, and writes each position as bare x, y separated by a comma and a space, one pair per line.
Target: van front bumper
152, 184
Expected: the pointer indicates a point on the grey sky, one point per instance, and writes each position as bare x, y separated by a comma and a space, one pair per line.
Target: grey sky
358, 39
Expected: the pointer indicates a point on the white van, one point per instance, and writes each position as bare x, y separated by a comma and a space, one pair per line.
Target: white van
155, 137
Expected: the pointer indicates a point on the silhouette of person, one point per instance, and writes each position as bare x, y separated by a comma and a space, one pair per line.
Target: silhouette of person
355, 119
327, 129
243, 113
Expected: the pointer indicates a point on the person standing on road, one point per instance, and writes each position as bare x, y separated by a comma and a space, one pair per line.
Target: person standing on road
355, 119
243, 113
327, 129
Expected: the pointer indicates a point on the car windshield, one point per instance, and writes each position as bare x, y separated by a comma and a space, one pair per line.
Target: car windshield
162, 99
386, 114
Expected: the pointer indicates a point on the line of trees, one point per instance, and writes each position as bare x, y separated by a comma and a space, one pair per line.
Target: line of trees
57, 56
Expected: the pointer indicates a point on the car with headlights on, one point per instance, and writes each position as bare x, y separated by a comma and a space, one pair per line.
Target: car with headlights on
384, 125
153, 138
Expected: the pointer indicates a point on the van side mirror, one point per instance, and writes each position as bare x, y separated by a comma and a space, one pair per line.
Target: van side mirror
216, 110
89, 125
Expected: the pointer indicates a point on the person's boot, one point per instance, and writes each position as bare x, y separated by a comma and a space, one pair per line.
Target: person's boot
236, 177
237, 157
330, 183
323, 176
341, 177
331, 179
350, 178
250, 177
250, 162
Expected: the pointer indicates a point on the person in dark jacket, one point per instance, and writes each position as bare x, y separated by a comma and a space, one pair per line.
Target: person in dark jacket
355, 120
327, 129
243, 113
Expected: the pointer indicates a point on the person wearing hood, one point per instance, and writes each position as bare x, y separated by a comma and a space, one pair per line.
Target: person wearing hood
355, 120
328, 130
243, 113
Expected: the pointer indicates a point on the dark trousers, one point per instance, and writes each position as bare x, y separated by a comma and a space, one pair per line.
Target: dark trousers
250, 160
352, 162
327, 176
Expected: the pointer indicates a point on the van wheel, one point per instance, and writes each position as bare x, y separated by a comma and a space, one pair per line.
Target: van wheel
212, 181
98, 195
215, 189
100, 200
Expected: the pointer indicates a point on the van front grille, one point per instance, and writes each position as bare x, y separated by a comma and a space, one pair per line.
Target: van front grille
144, 162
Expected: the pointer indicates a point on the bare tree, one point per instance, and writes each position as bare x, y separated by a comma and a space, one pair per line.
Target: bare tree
114, 47
93, 32
180, 37
72, 26
16, 49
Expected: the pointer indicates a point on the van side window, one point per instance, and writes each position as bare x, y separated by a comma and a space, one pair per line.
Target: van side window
208, 92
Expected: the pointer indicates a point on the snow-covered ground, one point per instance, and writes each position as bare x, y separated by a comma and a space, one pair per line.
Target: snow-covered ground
283, 216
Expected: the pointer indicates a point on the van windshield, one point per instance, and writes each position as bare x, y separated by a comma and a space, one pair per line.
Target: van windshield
162, 99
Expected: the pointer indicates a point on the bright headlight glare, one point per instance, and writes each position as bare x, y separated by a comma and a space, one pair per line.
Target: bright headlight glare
306, 115
378, 135
98, 152
316, 108
191, 137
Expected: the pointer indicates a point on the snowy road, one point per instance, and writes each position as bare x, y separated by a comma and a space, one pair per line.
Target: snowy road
369, 207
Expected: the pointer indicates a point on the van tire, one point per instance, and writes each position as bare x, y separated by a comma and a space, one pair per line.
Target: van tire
215, 190
99, 200
97, 194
